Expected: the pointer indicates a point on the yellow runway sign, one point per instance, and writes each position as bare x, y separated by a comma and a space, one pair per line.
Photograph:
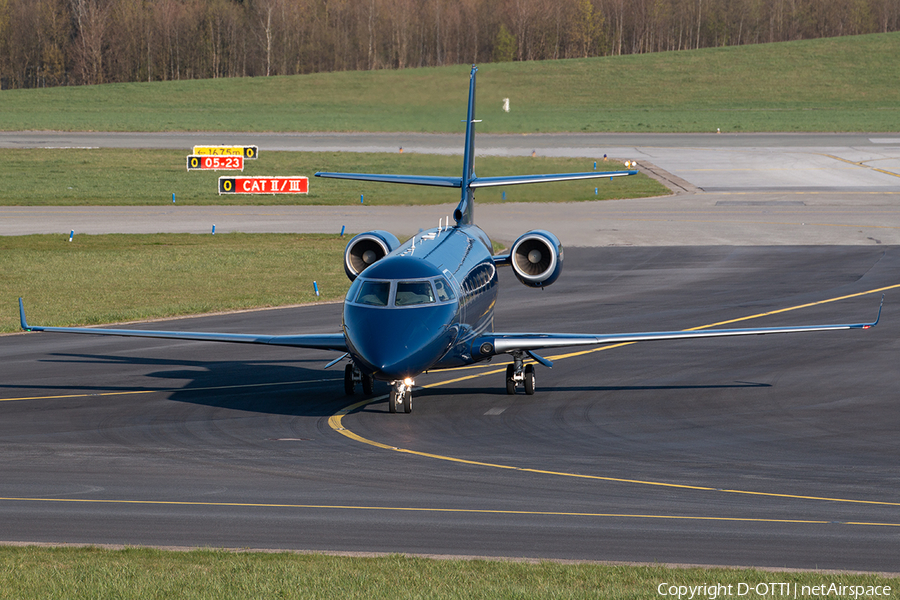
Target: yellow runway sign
248, 152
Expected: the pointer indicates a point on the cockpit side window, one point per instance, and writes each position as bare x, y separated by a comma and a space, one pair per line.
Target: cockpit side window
411, 293
374, 293
353, 292
444, 291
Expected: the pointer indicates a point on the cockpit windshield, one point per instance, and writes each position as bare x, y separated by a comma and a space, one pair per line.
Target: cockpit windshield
410, 293
372, 292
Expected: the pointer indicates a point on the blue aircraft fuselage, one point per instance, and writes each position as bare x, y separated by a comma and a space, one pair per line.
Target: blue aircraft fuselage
420, 307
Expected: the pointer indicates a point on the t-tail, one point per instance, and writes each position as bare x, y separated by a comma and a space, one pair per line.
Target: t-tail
469, 182
465, 212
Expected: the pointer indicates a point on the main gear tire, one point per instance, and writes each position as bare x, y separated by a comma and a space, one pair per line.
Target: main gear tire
511, 380
529, 380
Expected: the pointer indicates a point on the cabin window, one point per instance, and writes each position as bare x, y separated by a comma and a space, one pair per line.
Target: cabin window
374, 293
411, 293
444, 292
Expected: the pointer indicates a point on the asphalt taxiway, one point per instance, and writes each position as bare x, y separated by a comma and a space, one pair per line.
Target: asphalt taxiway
770, 451
773, 451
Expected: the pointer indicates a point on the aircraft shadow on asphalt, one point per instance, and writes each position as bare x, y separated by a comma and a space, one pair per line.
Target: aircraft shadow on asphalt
591, 388
284, 387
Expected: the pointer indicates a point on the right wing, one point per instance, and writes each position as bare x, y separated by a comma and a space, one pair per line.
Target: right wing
503, 343
323, 341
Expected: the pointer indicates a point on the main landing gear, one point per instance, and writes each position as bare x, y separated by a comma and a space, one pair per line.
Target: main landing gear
352, 376
518, 374
401, 396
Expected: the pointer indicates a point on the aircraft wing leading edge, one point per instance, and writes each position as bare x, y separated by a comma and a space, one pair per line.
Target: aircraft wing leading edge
433, 180
326, 341
479, 182
503, 343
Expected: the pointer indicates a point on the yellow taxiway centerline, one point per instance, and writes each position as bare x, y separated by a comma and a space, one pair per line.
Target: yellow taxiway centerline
164, 390
336, 421
474, 511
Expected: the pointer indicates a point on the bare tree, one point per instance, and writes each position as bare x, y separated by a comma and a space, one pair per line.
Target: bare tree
59, 42
92, 19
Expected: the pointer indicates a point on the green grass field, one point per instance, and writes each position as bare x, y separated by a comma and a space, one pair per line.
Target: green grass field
835, 84
113, 278
147, 573
116, 177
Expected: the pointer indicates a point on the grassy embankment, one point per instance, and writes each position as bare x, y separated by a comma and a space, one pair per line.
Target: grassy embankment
116, 177
104, 279
143, 573
835, 84
113, 278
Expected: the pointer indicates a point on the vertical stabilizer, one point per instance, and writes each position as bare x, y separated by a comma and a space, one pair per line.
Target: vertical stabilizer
465, 212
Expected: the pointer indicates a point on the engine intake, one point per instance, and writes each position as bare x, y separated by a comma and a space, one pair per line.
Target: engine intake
537, 258
366, 249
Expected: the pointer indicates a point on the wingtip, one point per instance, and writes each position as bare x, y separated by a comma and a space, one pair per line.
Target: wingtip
878, 317
880, 306
22, 320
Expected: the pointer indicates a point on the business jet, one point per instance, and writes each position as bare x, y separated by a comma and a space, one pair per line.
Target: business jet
428, 303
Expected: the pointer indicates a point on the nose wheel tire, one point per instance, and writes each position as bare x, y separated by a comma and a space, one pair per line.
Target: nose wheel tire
401, 397
511, 380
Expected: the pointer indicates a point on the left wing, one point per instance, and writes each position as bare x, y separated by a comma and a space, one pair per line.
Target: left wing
502, 343
324, 341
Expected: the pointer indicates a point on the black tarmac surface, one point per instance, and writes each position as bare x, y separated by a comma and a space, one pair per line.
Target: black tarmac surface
777, 451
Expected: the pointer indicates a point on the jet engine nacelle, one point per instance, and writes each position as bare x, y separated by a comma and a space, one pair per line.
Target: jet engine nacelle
537, 258
366, 249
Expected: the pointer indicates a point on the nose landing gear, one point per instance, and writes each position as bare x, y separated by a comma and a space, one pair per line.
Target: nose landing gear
401, 396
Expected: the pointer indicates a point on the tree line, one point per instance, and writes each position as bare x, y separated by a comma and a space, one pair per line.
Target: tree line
73, 42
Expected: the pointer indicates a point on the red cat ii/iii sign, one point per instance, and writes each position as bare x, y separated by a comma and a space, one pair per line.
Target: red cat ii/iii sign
263, 185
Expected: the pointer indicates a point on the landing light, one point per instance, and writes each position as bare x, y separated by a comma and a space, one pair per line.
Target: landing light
407, 382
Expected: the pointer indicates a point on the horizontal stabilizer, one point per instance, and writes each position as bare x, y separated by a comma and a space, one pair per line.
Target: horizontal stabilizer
451, 182
479, 182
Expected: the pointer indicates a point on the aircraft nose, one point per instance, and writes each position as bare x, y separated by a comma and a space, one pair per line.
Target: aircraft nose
397, 343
